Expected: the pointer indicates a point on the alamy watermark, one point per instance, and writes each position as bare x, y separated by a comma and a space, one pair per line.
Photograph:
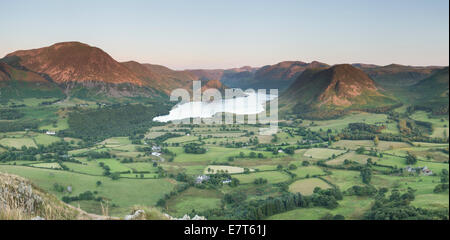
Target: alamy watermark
236, 107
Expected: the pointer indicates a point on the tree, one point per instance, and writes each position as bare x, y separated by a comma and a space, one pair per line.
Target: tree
444, 176
411, 158
292, 167
338, 217
441, 188
115, 176
360, 150
194, 148
366, 174
98, 183
376, 141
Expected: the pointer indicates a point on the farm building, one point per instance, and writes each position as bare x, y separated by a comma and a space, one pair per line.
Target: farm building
157, 154
228, 181
201, 178
156, 148
424, 170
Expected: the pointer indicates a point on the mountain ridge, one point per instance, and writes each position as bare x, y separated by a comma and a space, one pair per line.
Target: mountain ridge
329, 92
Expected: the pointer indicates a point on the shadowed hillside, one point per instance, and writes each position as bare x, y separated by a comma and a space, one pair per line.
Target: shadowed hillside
330, 92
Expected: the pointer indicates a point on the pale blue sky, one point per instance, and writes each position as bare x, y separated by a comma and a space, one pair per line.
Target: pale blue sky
229, 33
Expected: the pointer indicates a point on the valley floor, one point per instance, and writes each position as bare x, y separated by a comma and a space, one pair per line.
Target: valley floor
157, 169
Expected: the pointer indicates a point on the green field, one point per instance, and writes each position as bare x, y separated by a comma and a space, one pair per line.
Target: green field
194, 199
339, 124
322, 153
228, 169
302, 172
47, 165
316, 160
124, 192
351, 156
307, 186
272, 177
213, 154
44, 139
114, 165
17, 142
350, 208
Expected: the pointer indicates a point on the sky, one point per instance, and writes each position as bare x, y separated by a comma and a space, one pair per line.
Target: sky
212, 34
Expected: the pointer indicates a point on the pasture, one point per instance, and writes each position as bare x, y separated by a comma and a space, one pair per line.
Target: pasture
271, 176
17, 142
124, 193
302, 172
322, 153
307, 186
194, 199
351, 156
228, 169
350, 207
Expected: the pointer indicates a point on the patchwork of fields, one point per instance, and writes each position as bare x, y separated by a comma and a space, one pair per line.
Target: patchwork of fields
160, 169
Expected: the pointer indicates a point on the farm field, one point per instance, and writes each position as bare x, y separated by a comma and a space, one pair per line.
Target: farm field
213, 154
194, 199
124, 193
228, 169
44, 139
302, 172
125, 171
307, 186
47, 165
17, 142
351, 156
272, 177
351, 208
355, 144
322, 153
341, 123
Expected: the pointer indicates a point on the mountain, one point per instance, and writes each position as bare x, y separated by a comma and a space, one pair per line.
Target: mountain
173, 79
395, 75
78, 70
83, 71
73, 62
364, 65
19, 83
330, 92
433, 92
9, 73
207, 74
159, 77
279, 75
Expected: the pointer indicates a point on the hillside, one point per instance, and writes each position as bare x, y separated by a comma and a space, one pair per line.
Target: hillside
433, 92
329, 92
283, 73
279, 75
19, 83
83, 71
172, 79
21, 200
73, 62
395, 75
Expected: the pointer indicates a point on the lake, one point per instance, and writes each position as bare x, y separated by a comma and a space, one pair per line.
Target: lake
253, 103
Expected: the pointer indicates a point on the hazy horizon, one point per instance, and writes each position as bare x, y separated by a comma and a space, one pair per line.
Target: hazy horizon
221, 35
